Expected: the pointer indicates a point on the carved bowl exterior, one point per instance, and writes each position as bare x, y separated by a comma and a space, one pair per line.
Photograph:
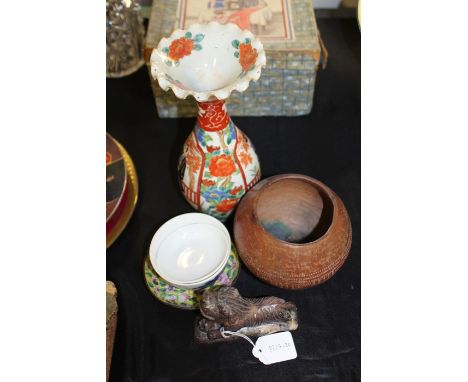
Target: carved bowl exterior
315, 253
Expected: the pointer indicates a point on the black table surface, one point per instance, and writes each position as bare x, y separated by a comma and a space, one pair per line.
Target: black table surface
154, 342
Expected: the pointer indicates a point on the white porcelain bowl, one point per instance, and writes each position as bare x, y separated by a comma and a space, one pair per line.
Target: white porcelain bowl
190, 250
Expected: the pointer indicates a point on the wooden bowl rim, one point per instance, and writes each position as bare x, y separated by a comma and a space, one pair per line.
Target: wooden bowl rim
314, 182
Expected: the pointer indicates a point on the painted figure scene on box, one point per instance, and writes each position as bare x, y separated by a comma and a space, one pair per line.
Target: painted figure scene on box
268, 19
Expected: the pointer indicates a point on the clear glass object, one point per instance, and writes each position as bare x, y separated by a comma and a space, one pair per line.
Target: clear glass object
124, 37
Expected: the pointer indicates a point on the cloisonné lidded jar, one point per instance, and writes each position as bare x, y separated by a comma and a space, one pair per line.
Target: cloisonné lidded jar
218, 162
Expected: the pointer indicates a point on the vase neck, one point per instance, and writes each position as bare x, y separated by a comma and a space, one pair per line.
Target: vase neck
213, 116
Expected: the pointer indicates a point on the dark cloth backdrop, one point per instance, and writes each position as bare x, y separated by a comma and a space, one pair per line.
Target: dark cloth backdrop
154, 342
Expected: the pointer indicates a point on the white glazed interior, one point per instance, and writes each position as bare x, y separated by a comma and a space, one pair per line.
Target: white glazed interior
212, 72
190, 250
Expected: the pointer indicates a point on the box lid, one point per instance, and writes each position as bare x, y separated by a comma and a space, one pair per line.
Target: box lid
282, 25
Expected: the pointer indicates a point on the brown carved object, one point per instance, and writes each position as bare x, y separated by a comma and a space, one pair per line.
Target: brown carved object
111, 322
226, 309
292, 231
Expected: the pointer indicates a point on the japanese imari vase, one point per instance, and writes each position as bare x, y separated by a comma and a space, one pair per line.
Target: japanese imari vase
218, 164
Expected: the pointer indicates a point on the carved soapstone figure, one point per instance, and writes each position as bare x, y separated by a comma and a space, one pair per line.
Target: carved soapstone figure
226, 310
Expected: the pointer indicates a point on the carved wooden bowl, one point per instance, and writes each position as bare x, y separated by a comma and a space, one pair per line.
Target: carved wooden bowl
292, 231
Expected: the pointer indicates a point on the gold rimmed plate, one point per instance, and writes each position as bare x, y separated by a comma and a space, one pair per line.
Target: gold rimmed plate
129, 203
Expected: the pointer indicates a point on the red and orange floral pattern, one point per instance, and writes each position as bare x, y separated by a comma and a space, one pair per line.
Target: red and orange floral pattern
246, 54
222, 165
182, 47
245, 158
236, 190
208, 182
212, 149
218, 165
226, 205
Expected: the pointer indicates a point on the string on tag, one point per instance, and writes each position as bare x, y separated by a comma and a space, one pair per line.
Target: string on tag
229, 333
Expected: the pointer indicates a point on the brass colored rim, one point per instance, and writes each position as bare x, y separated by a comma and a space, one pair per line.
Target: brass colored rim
131, 201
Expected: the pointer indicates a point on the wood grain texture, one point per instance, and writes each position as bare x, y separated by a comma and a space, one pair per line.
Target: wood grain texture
286, 264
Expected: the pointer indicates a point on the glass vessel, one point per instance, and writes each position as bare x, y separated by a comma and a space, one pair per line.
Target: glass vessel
124, 37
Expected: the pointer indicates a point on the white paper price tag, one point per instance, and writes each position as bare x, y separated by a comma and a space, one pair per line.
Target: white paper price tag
277, 347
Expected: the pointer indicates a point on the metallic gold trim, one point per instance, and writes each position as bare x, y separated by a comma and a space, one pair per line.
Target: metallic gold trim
131, 199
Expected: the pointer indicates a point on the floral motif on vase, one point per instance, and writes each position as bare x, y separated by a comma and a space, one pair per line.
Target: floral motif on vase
228, 168
246, 54
182, 47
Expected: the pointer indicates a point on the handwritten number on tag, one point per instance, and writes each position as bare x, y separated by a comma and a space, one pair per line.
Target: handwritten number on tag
274, 348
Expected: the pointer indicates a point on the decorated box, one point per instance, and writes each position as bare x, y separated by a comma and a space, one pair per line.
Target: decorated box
291, 40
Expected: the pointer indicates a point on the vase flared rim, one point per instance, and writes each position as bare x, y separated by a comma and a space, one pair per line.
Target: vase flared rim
208, 61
